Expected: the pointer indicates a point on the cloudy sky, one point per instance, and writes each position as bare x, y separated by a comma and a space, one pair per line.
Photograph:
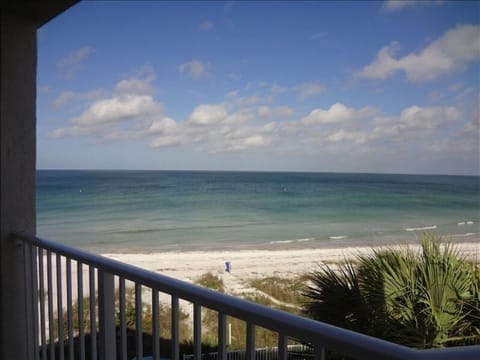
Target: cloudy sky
390, 87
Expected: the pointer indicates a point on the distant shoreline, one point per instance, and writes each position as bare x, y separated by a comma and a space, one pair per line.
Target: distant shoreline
333, 244
262, 171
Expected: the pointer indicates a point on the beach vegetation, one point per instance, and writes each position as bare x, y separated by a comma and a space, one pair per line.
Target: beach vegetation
423, 299
164, 319
257, 298
285, 290
211, 281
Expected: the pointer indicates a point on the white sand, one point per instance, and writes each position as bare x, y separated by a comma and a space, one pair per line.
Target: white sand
251, 264
245, 265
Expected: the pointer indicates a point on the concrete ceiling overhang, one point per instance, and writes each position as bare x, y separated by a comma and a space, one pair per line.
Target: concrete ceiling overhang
39, 11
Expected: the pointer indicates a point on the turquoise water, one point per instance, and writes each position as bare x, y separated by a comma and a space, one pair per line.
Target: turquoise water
184, 210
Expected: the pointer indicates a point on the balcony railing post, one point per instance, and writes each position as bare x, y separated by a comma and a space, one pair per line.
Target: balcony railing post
282, 347
320, 352
197, 331
31, 292
222, 343
251, 348
175, 329
106, 315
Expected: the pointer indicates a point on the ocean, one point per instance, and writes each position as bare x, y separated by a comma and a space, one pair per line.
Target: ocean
150, 211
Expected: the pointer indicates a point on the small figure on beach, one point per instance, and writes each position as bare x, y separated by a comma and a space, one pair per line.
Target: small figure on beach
227, 266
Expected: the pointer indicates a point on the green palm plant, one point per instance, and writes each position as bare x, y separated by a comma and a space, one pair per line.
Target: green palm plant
334, 297
389, 286
444, 281
421, 299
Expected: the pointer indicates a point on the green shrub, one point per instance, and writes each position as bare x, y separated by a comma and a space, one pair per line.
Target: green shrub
211, 281
424, 300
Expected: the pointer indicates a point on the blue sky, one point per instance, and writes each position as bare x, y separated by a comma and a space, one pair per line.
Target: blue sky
389, 87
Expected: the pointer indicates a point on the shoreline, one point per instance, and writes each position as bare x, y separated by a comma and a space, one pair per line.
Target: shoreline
251, 264
335, 242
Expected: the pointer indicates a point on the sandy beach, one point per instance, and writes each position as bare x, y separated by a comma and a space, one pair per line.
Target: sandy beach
251, 264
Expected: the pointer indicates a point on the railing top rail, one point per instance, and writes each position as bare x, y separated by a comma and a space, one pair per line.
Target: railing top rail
334, 338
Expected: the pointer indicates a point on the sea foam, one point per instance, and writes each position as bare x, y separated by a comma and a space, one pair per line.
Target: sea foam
421, 228
291, 241
462, 235
465, 223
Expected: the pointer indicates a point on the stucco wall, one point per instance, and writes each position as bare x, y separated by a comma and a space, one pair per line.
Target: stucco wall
17, 179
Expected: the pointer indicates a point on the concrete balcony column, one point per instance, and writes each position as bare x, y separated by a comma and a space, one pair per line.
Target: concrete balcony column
17, 181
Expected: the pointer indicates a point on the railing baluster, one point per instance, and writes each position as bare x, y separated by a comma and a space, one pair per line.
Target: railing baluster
197, 331
222, 344
251, 347
81, 328
106, 315
123, 326
34, 299
93, 321
51, 332
155, 325
41, 280
282, 347
320, 352
175, 328
138, 321
60, 307
69, 308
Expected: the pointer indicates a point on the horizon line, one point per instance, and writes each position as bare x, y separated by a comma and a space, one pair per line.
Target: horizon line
263, 171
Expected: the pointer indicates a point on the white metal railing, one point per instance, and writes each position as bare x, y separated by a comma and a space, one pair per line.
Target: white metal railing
293, 351
54, 312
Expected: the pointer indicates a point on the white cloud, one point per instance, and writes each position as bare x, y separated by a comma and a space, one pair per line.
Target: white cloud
450, 53
308, 89
346, 131
251, 141
113, 116
118, 108
166, 141
395, 5
206, 25
162, 126
234, 99
342, 135
466, 140
135, 86
140, 83
246, 122
70, 64
63, 98
208, 114
337, 113
213, 129
70, 131
277, 112
195, 68
68, 96
414, 122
